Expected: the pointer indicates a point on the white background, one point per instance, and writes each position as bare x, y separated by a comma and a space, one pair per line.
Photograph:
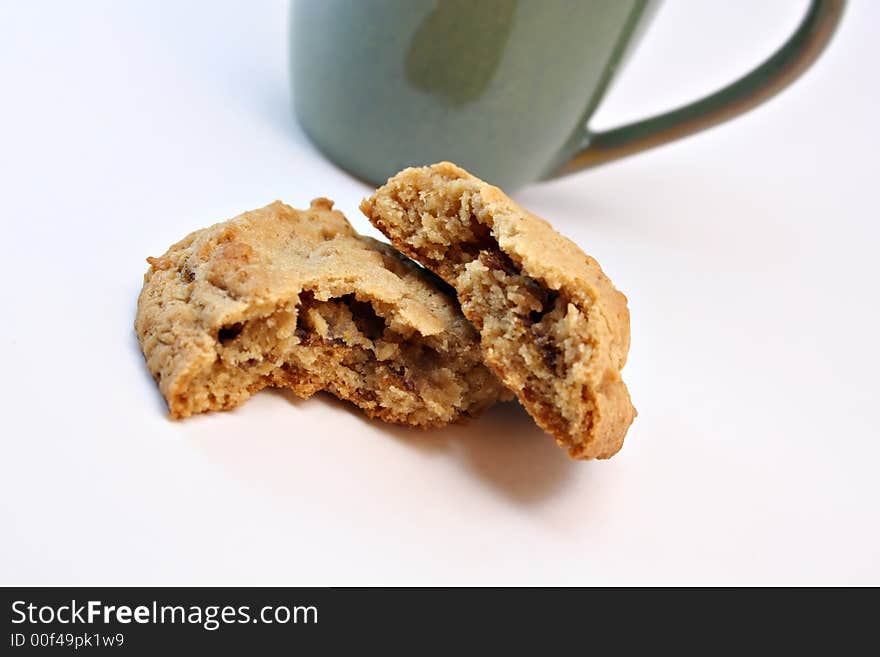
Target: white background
748, 254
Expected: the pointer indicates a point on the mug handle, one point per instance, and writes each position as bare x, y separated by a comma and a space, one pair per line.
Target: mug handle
780, 70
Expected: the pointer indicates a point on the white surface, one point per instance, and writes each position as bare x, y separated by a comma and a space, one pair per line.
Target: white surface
748, 254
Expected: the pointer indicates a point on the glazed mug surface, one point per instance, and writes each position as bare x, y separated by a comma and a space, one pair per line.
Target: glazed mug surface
504, 88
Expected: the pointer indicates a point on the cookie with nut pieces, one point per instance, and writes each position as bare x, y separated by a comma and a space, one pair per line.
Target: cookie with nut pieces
297, 299
553, 327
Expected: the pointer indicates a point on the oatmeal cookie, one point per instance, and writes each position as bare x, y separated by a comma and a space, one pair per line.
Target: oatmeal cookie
553, 327
297, 299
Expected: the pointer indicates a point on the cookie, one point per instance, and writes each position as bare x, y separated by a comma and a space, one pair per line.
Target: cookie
297, 299
553, 327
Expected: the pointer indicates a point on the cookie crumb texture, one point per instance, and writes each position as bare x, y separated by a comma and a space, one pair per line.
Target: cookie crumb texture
297, 299
553, 327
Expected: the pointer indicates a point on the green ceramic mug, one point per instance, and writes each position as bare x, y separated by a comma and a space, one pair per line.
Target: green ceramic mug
505, 88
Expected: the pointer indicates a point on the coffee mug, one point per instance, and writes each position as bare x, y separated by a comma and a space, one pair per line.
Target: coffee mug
504, 88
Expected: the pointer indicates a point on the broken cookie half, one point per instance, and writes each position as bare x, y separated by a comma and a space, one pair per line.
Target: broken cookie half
297, 299
553, 327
